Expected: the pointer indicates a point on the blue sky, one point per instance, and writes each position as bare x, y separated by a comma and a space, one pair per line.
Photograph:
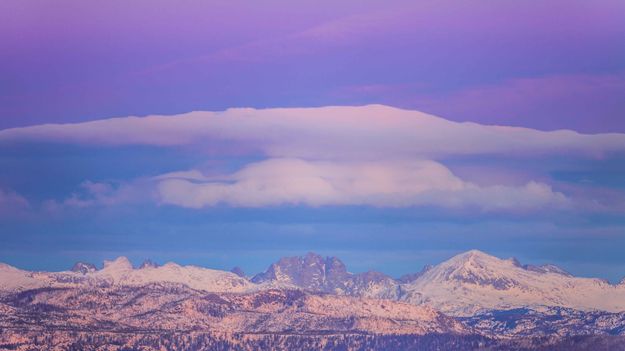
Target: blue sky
383, 188
386, 188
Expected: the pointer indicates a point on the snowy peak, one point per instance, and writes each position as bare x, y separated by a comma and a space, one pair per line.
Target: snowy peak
475, 267
120, 272
119, 264
7, 268
83, 267
477, 255
475, 281
12, 278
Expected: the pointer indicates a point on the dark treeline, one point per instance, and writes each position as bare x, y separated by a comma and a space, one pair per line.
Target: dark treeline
84, 341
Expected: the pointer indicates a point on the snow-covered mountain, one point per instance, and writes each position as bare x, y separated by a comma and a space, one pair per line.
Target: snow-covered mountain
174, 307
120, 272
84, 267
474, 281
316, 273
465, 285
12, 278
547, 322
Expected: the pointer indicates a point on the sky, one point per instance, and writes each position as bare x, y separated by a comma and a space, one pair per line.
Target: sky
390, 134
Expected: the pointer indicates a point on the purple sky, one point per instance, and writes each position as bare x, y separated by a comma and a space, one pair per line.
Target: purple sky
541, 64
385, 187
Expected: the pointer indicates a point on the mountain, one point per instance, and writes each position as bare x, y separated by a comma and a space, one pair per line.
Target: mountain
170, 316
83, 267
12, 278
474, 281
471, 301
467, 284
120, 272
316, 273
148, 264
238, 271
411, 277
174, 307
547, 321
547, 268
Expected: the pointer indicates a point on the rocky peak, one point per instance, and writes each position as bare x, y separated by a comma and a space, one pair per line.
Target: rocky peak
238, 271
83, 267
310, 271
547, 268
329, 274
148, 264
515, 262
411, 277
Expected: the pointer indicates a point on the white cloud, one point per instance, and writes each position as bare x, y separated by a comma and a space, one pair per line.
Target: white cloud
371, 155
348, 133
386, 184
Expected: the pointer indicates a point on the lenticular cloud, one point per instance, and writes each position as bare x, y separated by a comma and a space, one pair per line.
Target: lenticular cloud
347, 133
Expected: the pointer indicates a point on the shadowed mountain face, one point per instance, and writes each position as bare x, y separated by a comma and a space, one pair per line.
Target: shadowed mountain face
316, 273
148, 264
311, 271
238, 271
411, 277
83, 267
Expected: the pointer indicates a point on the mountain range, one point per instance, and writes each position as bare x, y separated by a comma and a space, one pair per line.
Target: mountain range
470, 296
464, 285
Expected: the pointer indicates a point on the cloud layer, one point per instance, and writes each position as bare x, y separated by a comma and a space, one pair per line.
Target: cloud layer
389, 184
330, 156
364, 133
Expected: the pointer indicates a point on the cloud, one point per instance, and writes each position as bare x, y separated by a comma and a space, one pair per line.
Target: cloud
90, 194
371, 132
370, 155
277, 182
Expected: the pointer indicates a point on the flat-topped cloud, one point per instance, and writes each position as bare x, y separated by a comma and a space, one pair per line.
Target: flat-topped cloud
348, 133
